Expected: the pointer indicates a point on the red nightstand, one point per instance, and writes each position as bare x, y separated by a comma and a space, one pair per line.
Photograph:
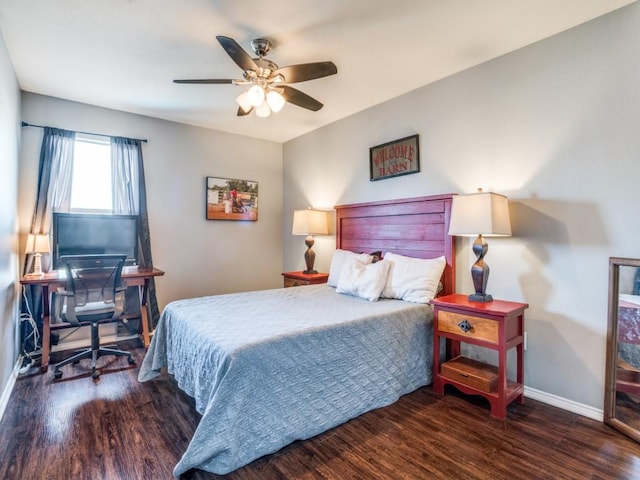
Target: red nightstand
497, 325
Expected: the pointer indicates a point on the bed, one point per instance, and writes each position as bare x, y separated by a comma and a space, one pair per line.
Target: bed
270, 367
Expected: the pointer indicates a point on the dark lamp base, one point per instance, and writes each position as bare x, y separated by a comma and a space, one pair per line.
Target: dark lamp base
310, 271
480, 297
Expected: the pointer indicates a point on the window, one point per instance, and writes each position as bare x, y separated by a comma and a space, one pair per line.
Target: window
91, 176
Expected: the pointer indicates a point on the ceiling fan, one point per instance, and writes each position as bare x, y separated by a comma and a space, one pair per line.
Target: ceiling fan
269, 84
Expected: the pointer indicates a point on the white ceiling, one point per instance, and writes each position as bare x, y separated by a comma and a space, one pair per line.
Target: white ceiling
124, 54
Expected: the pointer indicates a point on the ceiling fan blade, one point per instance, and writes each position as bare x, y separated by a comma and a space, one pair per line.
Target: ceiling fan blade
217, 81
242, 113
237, 54
303, 100
306, 71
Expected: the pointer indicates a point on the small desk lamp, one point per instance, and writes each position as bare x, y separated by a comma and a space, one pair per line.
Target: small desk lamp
37, 244
482, 214
309, 222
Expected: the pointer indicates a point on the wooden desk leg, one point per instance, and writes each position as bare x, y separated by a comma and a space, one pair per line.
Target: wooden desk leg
46, 328
143, 314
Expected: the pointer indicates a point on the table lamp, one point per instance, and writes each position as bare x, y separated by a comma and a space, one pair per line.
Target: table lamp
484, 214
37, 244
309, 222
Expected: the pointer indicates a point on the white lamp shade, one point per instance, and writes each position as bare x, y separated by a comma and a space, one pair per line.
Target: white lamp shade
263, 110
310, 222
255, 95
482, 213
37, 243
243, 101
275, 101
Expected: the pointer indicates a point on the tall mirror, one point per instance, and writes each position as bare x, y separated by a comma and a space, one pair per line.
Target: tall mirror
622, 380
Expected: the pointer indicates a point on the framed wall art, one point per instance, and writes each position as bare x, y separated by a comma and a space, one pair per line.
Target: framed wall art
392, 159
231, 199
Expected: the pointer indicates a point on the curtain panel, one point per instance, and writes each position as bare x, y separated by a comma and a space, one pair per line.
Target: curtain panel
53, 194
54, 177
130, 198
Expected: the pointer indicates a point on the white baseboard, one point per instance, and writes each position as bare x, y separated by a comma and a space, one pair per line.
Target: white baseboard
564, 403
6, 393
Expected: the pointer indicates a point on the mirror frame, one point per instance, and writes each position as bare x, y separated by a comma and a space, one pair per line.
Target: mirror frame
612, 347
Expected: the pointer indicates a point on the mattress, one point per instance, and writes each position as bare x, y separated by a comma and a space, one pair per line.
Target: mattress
270, 367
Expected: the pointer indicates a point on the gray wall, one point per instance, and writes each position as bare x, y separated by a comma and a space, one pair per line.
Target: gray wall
199, 257
9, 288
555, 127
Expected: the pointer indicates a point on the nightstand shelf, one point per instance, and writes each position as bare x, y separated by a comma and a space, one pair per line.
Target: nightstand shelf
297, 279
512, 392
496, 325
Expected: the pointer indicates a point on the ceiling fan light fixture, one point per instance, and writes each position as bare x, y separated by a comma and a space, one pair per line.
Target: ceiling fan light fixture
262, 76
243, 101
255, 95
275, 101
263, 110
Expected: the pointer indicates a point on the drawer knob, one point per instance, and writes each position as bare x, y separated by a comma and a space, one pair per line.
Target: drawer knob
465, 326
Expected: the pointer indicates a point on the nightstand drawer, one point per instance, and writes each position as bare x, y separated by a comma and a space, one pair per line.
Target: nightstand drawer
294, 282
477, 327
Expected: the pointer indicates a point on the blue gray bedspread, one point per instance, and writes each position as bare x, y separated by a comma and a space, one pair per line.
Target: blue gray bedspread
270, 367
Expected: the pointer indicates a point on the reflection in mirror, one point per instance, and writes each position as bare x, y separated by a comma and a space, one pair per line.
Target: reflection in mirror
622, 382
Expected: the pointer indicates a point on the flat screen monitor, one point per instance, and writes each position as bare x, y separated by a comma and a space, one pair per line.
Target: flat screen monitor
91, 234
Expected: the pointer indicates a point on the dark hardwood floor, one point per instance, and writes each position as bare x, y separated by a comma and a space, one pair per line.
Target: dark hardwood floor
118, 428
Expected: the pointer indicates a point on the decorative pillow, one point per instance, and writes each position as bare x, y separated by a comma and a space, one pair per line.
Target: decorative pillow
363, 280
337, 263
413, 279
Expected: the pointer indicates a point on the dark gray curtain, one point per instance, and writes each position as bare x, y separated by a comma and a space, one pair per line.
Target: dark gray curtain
130, 197
54, 178
53, 194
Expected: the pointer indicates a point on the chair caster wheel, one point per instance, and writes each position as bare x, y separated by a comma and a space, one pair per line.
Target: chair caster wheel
131, 360
57, 374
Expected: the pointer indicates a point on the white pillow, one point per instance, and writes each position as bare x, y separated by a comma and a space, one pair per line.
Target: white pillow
337, 263
363, 280
413, 279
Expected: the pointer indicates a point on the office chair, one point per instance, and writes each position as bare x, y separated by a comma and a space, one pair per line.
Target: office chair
94, 294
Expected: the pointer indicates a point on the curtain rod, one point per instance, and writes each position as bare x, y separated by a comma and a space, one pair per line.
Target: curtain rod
25, 124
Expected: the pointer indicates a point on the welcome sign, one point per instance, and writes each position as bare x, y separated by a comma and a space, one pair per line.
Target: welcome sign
392, 159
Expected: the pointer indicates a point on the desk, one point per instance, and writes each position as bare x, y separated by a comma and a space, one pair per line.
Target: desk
52, 280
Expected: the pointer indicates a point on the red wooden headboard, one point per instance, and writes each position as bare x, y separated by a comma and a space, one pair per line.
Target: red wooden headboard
416, 227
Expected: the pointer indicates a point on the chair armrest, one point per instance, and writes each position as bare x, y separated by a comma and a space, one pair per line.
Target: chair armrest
69, 317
